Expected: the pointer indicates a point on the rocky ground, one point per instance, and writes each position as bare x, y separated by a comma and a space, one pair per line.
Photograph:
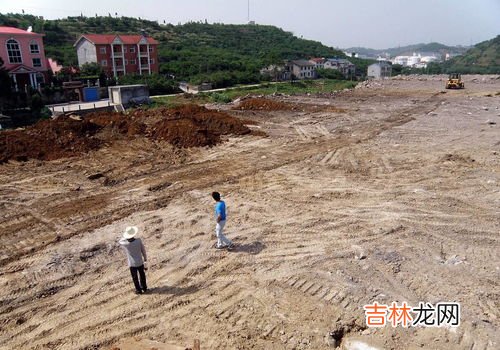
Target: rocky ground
389, 192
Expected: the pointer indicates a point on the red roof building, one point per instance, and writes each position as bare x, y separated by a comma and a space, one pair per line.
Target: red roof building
23, 55
119, 54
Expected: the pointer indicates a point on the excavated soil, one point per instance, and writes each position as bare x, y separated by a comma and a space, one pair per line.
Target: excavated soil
49, 140
192, 125
186, 126
394, 199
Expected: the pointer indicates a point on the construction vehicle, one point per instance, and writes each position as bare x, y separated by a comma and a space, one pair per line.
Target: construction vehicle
455, 81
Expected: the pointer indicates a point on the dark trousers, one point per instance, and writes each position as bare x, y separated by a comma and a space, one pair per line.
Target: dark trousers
142, 276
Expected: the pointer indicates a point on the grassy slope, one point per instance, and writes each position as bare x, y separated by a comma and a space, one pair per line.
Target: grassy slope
482, 58
188, 51
302, 87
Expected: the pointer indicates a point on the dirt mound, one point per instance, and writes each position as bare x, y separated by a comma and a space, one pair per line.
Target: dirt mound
263, 104
49, 140
194, 126
118, 122
66, 136
184, 126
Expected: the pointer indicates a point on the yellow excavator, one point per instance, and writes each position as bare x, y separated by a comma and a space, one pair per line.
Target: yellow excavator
455, 81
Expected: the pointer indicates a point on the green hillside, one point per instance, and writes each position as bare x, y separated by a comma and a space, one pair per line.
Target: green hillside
224, 53
482, 58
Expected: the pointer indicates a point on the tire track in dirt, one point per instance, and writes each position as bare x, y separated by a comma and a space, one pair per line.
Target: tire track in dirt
212, 269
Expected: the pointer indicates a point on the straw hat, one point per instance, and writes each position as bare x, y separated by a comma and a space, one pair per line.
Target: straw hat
130, 232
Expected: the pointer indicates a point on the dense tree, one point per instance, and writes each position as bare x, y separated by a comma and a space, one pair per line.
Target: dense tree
91, 69
330, 74
158, 84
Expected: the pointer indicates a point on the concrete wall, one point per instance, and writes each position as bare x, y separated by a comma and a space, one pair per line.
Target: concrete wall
86, 52
378, 71
126, 94
374, 71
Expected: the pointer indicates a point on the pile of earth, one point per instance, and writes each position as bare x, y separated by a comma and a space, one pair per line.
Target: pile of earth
69, 136
263, 104
194, 126
49, 140
118, 123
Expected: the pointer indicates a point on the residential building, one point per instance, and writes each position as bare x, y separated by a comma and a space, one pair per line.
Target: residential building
380, 70
302, 69
119, 54
319, 63
342, 65
277, 72
23, 55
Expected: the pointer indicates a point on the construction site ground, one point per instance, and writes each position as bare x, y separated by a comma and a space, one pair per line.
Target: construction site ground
388, 192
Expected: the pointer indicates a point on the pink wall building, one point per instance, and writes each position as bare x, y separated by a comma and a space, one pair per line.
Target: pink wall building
23, 55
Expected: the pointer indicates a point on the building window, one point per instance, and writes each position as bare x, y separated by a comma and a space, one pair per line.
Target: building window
126, 62
102, 50
34, 47
37, 62
151, 49
151, 61
132, 61
132, 50
104, 63
14, 51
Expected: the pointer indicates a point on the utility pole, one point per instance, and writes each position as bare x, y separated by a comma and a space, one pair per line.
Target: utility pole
248, 12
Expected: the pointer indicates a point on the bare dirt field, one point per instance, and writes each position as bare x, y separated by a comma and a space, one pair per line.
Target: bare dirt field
389, 192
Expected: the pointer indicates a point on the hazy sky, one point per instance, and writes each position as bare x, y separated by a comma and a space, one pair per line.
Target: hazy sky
339, 23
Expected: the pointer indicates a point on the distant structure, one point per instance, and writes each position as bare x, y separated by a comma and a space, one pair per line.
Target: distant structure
302, 69
119, 54
342, 65
318, 62
277, 72
416, 60
24, 57
379, 70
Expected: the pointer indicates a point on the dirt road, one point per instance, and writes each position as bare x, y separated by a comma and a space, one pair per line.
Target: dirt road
393, 195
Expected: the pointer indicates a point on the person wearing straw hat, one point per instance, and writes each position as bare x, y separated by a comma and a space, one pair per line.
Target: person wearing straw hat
136, 255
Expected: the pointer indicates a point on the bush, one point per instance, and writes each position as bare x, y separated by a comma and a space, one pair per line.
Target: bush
36, 105
157, 84
220, 98
330, 74
45, 113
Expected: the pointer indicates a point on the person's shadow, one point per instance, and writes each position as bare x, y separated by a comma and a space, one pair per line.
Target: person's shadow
178, 291
253, 248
